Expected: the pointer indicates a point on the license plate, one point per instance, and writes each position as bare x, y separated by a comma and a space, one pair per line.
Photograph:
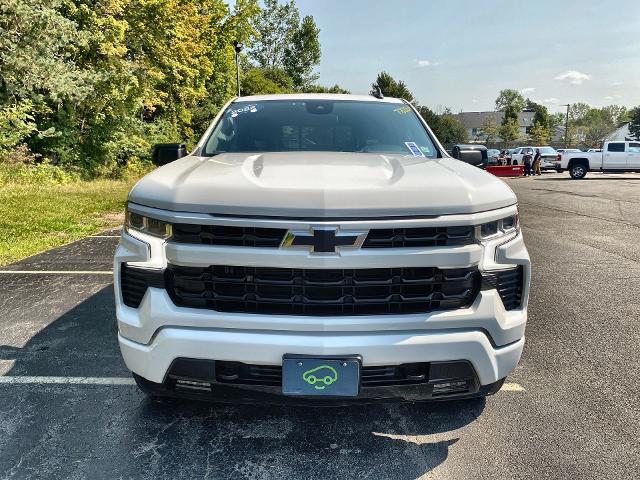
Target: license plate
320, 376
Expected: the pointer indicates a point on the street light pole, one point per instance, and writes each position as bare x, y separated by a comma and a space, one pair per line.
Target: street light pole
238, 48
566, 127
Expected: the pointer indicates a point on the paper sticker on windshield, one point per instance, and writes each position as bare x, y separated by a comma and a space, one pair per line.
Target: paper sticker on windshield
414, 149
246, 109
403, 109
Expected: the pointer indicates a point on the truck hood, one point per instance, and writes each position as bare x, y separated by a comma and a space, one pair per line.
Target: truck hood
321, 185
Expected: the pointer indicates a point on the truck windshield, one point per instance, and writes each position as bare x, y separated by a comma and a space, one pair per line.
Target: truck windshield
547, 150
320, 125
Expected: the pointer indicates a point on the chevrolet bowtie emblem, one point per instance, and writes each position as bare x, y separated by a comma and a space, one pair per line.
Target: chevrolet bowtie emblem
322, 240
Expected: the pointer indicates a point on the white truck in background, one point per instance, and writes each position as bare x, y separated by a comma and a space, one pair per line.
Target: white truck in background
614, 157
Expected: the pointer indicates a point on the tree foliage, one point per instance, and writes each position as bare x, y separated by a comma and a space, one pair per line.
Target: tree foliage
588, 125
92, 85
511, 102
285, 42
634, 122
539, 134
303, 53
490, 130
391, 87
275, 26
509, 132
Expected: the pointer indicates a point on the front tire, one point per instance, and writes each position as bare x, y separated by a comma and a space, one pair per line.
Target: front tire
578, 171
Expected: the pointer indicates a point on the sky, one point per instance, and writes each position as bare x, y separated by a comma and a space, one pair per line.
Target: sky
461, 53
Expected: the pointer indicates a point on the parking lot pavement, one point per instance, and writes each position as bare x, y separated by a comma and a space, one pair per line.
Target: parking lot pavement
69, 410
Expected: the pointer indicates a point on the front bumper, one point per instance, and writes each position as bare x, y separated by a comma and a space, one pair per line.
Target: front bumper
158, 332
267, 348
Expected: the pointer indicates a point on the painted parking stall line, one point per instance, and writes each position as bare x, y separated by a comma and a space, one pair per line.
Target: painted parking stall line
67, 380
56, 272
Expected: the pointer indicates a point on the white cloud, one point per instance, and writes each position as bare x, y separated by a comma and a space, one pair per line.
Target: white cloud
548, 101
615, 96
526, 90
426, 63
617, 84
573, 77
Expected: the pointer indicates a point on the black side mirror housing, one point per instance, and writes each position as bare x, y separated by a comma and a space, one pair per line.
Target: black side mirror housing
471, 154
163, 153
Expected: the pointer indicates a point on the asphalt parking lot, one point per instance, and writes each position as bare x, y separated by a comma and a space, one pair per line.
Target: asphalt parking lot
68, 408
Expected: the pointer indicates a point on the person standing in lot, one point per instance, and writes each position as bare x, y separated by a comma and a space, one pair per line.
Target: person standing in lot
536, 163
526, 161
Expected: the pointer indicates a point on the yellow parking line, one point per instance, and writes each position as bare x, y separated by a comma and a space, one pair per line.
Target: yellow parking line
512, 387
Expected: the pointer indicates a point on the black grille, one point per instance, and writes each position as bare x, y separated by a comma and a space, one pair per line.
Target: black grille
508, 283
272, 237
271, 375
134, 283
229, 236
322, 292
420, 237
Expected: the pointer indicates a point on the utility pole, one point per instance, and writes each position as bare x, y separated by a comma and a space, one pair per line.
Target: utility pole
566, 127
237, 46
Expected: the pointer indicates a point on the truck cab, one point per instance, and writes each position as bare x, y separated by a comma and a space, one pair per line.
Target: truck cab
615, 156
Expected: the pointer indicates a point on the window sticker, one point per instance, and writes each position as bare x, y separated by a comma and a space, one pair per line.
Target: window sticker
414, 149
245, 109
402, 110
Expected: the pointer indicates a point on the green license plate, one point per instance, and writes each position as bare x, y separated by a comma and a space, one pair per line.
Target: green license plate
321, 376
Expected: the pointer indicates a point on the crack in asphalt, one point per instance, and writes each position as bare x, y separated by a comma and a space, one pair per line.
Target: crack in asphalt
580, 214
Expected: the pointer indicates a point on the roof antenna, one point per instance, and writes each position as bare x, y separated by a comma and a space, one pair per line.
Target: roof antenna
377, 93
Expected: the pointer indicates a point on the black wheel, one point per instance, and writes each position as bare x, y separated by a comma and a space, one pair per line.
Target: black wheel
578, 171
515, 162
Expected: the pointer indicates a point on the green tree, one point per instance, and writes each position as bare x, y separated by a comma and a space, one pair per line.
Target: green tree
577, 112
451, 131
391, 87
619, 114
259, 81
539, 134
490, 130
509, 132
322, 89
16, 123
38, 52
275, 26
634, 123
447, 129
303, 53
541, 113
511, 102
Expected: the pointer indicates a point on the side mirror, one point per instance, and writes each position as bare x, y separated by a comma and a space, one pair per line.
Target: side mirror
163, 153
473, 156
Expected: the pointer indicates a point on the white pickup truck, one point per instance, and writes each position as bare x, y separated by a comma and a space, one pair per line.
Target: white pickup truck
614, 157
320, 247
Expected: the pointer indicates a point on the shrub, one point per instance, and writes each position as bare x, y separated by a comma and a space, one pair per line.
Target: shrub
43, 173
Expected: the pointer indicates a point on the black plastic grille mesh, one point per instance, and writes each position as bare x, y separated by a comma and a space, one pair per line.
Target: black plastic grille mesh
228, 236
271, 375
134, 282
508, 283
419, 237
272, 237
322, 292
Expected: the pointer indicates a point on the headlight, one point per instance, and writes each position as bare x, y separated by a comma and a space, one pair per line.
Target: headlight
498, 228
148, 225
